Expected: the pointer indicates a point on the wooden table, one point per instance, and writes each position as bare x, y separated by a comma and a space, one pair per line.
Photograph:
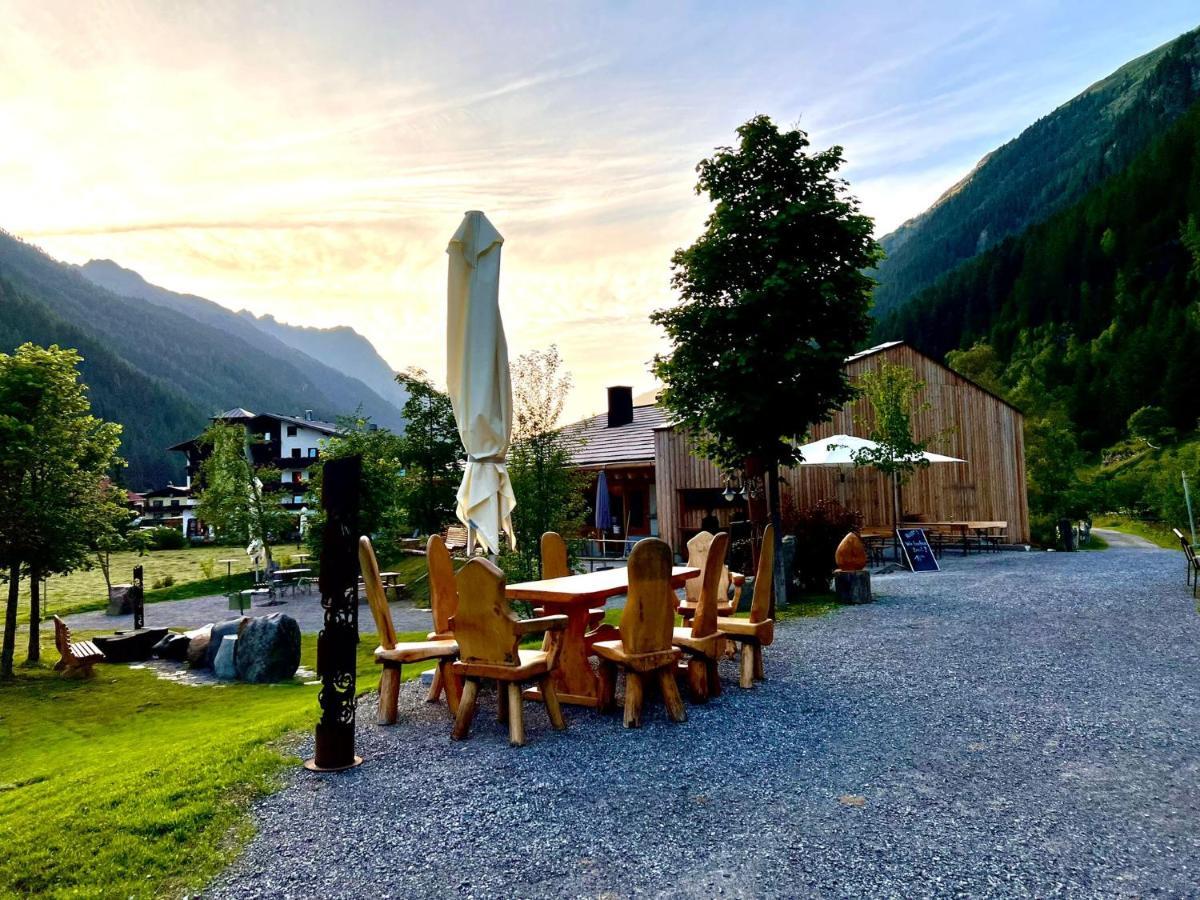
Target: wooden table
573, 596
979, 527
291, 577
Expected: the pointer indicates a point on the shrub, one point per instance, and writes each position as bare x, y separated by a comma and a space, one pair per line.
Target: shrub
208, 568
164, 538
818, 529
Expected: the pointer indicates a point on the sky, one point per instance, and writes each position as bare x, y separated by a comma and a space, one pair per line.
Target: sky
312, 160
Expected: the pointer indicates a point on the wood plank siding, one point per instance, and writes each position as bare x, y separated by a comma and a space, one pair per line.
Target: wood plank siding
985, 431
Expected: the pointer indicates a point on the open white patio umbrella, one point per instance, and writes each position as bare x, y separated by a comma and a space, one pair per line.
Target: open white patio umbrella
839, 450
478, 380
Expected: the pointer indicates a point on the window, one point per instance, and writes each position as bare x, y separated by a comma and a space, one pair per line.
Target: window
291, 431
312, 452
296, 477
295, 453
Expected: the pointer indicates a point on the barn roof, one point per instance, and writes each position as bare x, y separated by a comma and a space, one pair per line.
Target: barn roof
630, 443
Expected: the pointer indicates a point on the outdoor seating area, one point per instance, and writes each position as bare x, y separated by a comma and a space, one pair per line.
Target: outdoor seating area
1192, 561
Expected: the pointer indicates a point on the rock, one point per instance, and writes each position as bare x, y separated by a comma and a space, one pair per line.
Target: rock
120, 600
747, 597
225, 662
852, 587
784, 568
269, 649
173, 646
198, 640
229, 626
851, 554
129, 646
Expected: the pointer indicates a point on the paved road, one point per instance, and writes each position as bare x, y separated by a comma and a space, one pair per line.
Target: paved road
1119, 539
1020, 724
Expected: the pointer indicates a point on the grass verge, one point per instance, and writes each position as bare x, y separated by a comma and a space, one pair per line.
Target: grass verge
130, 786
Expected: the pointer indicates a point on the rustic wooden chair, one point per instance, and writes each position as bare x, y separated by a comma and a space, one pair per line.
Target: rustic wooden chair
555, 565
392, 655
698, 550
1193, 562
702, 641
443, 603
643, 649
79, 657
489, 635
758, 631
455, 537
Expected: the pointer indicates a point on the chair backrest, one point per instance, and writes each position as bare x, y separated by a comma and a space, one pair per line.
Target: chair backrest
443, 592
698, 548
704, 622
554, 556
62, 636
764, 578
456, 536
485, 626
376, 596
648, 620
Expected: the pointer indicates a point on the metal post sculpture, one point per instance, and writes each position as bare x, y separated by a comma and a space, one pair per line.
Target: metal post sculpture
138, 600
337, 653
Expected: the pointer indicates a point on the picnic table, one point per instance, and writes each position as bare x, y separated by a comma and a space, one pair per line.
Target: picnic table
291, 577
981, 528
573, 596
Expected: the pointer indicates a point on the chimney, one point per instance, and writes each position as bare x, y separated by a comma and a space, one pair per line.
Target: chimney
620, 406
308, 415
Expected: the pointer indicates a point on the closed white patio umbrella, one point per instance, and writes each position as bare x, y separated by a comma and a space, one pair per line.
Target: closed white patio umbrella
478, 380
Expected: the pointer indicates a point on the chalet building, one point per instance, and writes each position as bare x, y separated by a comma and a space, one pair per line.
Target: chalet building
172, 506
659, 486
288, 443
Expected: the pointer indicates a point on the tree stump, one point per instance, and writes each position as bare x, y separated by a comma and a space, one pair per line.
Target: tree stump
852, 586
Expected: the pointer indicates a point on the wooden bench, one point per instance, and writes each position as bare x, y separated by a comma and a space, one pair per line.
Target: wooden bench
1193, 561
455, 537
79, 657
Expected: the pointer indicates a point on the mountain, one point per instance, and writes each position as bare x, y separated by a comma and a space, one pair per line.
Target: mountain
343, 348
338, 358
156, 370
1095, 312
1048, 167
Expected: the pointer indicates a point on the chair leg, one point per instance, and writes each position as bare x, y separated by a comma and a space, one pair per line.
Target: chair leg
634, 697
759, 674
670, 694
714, 677
451, 684
466, 710
435, 689
608, 686
746, 670
516, 714
501, 703
697, 677
553, 708
389, 695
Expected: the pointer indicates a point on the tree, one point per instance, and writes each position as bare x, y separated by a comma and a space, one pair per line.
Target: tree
774, 296
892, 392
109, 528
381, 507
1150, 424
234, 496
549, 490
431, 453
55, 457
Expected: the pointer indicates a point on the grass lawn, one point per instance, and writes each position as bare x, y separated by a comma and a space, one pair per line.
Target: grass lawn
130, 786
1154, 532
1095, 542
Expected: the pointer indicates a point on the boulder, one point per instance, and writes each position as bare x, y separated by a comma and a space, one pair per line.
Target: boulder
225, 662
173, 646
120, 600
220, 630
268, 649
198, 641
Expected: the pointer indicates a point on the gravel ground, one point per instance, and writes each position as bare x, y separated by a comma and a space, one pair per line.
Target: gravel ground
1016, 725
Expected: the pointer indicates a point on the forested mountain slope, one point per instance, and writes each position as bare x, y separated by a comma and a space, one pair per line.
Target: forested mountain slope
334, 357
1048, 167
158, 372
1097, 309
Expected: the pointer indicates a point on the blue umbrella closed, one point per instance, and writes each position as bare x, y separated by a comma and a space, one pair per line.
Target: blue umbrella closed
603, 511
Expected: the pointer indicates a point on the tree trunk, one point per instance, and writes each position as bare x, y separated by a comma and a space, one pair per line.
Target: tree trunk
780, 594
106, 568
10, 621
35, 618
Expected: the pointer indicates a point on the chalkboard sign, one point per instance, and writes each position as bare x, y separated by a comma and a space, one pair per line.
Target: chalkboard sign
917, 552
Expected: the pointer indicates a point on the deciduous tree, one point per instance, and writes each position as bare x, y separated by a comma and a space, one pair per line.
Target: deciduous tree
431, 452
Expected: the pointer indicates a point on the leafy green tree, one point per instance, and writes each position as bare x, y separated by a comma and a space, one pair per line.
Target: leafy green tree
381, 511
110, 527
774, 296
1150, 423
55, 457
549, 490
235, 498
981, 364
893, 393
431, 453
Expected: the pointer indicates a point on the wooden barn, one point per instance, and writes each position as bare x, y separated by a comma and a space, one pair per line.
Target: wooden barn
980, 428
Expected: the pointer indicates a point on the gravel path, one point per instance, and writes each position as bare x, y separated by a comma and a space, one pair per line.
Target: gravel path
1016, 725
1123, 541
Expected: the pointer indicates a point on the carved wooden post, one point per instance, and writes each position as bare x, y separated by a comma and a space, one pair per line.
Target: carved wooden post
337, 652
138, 598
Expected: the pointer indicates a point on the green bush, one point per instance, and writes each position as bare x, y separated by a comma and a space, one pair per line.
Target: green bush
163, 538
818, 529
